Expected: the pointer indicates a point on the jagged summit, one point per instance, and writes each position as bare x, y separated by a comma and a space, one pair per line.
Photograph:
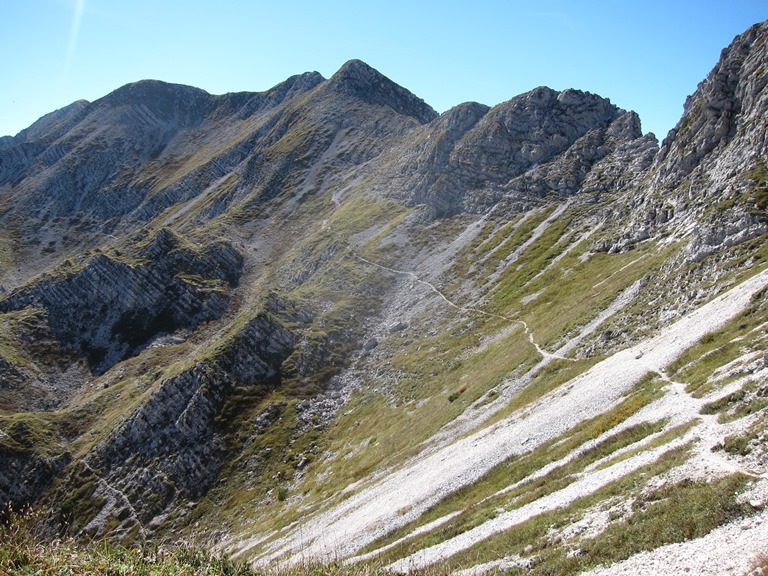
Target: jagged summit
718, 149
358, 79
297, 84
541, 144
732, 97
546, 110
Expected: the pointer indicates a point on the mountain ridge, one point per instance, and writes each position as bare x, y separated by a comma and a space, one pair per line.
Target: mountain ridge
235, 319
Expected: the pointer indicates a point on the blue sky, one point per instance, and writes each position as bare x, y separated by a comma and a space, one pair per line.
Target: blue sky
646, 55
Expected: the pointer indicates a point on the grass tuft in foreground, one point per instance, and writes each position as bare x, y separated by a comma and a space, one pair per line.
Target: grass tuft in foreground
23, 550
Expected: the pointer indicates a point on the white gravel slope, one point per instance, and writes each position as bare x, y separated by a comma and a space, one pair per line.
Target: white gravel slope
404, 494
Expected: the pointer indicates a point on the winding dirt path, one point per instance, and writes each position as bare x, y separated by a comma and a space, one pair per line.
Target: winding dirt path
461, 307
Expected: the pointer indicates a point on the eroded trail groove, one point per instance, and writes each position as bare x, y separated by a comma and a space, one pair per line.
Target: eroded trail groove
462, 307
482, 410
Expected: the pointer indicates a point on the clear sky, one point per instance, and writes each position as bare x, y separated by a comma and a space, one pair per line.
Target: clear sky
645, 55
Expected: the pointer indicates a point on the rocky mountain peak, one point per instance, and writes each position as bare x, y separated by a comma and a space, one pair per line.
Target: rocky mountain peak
543, 143
578, 111
301, 83
463, 116
627, 126
731, 97
156, 101
534, 128
155, 90
291, 87
358, 79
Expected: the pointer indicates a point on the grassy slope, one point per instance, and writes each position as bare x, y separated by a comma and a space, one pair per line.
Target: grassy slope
440, 375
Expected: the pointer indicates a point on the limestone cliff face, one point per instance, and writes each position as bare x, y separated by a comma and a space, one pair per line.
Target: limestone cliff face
175, 451
728, 105
109, 307
708, 180
530, 130
25, 478
539, 145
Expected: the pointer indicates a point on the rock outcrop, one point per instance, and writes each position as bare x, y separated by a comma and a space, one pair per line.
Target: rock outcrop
708, 180
109, 307
538, 145
175, 450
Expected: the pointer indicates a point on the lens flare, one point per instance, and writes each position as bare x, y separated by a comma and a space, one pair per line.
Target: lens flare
74, 32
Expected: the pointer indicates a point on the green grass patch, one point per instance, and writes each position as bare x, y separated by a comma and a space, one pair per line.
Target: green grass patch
751, 398
8, 241
670, 514
531, 538
507, 240
662, 439
12, 326
684, 511
29, 433
573, 292
24, 550
739, 337
453, 359
742, 444
535, 258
